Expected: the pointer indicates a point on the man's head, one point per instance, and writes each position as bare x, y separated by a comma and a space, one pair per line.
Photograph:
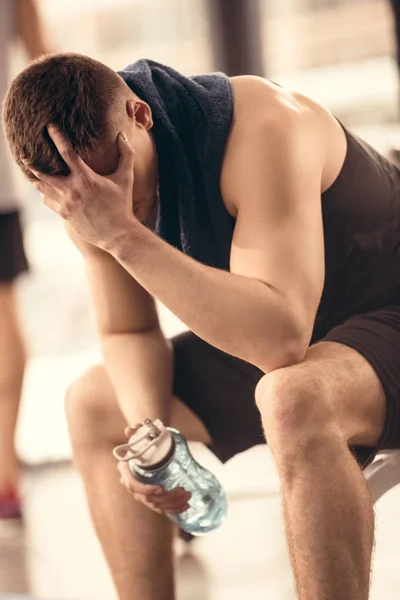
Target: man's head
91, 104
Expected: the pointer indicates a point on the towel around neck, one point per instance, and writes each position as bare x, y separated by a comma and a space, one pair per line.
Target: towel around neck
192, 119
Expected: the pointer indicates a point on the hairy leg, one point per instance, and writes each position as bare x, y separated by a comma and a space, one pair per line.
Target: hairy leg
12, 365
311, 412
137, 542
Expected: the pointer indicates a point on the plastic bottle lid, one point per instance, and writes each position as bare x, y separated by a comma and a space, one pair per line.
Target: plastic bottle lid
148, 446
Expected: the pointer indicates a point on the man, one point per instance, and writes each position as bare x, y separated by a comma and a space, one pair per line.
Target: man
273, 233
21, 17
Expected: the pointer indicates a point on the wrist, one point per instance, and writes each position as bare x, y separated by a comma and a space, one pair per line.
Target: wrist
121, 244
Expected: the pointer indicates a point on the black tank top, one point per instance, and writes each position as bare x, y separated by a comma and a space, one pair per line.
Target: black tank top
361, 218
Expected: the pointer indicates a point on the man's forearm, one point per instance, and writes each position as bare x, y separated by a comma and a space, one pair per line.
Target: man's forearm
239, 315
140, 368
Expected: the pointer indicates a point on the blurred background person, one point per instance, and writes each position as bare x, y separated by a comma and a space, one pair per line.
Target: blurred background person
17, 18
395, 4
394, 154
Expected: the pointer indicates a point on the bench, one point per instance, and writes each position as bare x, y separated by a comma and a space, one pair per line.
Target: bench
384, 473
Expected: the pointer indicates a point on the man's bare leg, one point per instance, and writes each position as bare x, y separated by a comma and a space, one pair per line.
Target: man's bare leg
137, 542
310, 412
12, 365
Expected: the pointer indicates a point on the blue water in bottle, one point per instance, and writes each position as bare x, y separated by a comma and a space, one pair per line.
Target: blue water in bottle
161, 456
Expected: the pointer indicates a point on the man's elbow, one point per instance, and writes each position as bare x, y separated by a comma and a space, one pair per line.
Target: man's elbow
295, 350
287, 352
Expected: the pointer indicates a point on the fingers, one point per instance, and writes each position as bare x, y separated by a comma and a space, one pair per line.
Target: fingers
173, 502
129, 431
64, 147
124, 170
44, 188
48, 193
50, 180
133, 485
55, 207
170, 502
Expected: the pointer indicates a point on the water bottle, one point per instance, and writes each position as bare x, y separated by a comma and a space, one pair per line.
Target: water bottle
159, 455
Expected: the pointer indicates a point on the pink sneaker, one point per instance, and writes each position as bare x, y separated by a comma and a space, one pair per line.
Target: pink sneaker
10, 505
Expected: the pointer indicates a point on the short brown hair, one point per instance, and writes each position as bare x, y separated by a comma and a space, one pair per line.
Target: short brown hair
75, 92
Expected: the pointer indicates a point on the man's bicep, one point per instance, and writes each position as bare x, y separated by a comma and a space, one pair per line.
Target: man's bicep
121, 304
287, 254
278, 238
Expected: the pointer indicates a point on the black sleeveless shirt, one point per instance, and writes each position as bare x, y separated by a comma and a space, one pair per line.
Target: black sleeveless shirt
361, 219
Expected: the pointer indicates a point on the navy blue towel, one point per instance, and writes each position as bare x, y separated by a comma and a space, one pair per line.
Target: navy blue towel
192, 119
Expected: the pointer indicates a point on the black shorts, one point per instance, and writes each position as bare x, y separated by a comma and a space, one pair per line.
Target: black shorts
12, 255
219, 388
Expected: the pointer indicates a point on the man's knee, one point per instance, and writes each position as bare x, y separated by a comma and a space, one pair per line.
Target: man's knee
85, 405
296, 410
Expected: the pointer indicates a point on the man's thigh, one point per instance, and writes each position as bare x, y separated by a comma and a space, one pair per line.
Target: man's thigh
333, 384
360, 360
356, 368
342, 377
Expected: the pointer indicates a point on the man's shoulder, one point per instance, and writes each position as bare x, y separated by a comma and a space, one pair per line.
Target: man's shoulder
262, 103
271, 125
253, 88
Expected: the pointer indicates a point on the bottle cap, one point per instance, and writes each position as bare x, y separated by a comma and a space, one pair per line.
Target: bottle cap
148, 446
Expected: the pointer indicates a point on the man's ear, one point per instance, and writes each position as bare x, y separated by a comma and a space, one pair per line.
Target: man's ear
140, 111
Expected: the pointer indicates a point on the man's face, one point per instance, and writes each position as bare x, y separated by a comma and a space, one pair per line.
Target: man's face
135, 120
